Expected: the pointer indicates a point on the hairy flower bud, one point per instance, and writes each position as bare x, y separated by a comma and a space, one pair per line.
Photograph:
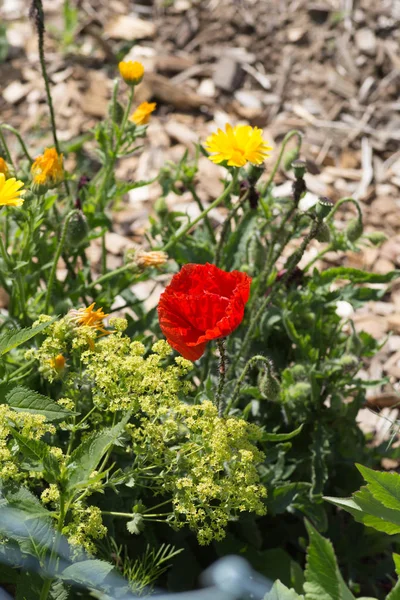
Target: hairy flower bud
349, 362
354, 230
298, 391
77, 229
323, 233
269, 386
290, 157
116, 112
160, 206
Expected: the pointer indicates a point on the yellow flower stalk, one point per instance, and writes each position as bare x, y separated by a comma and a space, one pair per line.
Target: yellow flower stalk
3, 167
141, 116
89, 317
47, 171
131, 72
10, 191
237, 146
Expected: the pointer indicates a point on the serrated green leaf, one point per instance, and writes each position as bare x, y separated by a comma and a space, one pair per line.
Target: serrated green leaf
136, 524
356, 275
12, 337
281, 437
87, 572
26, 502
85, 458
384, 487
281, 592
25, 400
323, 578
33, 450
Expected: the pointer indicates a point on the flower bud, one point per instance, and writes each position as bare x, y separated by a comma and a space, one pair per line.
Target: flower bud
354, 230
376, 237
269, 386
323, 207
77, 229
290, 157
298, 372
131, 72
298, 391
116, 112
323, 233
160, 206
349, 362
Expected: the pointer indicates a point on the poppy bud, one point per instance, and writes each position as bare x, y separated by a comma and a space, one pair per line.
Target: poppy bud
349, 362
290, 157
116, 112
160, 206
77, 229
354, 230
298, 372
323, 233
269, 386
376, 237
298, 391
323, 207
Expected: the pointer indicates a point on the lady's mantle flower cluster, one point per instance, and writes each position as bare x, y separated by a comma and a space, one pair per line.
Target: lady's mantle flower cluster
86, 525
31, 427
206, 464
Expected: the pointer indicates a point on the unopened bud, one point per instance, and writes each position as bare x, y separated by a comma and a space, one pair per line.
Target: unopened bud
376, 237
298, 372
354, 230
298, 391
116, 112
269, 386
289, 158
160, 206
323, 207
349, 362
323, 233
77, 229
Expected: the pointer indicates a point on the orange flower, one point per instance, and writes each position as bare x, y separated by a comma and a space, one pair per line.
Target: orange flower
131, 72
47, 170
89, 318
3, 167
141, 116
58, 363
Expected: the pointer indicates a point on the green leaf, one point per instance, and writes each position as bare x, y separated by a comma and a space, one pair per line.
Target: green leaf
356, 275
281, 592
281, 437
384, 487
395, 593
29, 586
323, 578
33, 450
396, 559
13, 337
84, 460
87, 572
25, 400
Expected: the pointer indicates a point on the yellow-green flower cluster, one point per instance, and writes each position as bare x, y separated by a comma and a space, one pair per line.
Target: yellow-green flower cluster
86, 525
31, 426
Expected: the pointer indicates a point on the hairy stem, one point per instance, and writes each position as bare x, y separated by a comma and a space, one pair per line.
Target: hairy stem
285, 140
222, 375
249, 364
225, 227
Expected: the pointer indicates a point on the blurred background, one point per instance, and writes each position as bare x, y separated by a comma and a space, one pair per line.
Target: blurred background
330, 69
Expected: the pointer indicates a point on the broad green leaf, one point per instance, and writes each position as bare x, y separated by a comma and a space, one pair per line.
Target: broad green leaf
281, 592
384, 487
33, 450
281, 437
87, 572
27, 502
29, 586
86, 457
357, 275
13, 337
396, 558
25, 400
323, 578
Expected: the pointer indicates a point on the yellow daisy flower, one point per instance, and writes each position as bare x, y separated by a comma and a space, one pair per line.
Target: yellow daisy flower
3, 167
10, 191
47, 170
141, 116
237, 145
89, 317
131, 72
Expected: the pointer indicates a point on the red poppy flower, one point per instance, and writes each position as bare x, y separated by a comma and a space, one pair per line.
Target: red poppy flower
202, 303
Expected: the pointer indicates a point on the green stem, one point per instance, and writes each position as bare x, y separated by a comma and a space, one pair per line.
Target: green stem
225, 227
339, 204
285, 140
18, 278
291, 264
101, 280
103, 254
202, 209
56, 259
328, 248
6, 149
249, 364
181, 232
21, 141
222, 375
53, 556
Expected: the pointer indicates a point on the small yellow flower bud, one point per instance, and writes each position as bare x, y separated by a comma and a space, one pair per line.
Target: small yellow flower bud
131, 72
58, 363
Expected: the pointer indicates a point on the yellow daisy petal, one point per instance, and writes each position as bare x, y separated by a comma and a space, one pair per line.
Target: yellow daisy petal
237, 145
